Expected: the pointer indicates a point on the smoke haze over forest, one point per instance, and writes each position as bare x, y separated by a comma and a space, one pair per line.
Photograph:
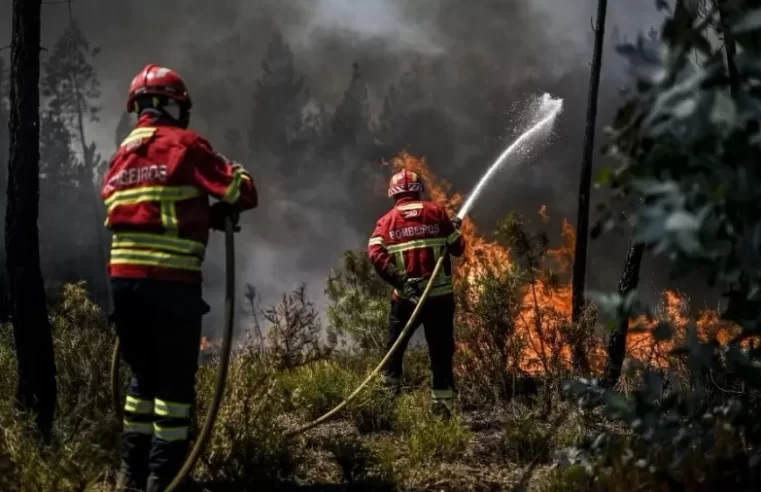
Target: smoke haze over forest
466, 65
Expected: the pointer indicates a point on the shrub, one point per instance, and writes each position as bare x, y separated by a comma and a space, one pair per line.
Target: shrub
359, 302
688, 148
427, 436
248, 446
85, 431
316, 388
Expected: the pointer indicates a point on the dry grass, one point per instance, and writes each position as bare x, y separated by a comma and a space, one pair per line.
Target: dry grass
378, 443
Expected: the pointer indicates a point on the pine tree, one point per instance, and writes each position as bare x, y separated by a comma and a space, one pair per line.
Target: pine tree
279, 100
403, 99
351, 128
58, 160
71, 85
62, 243
411, 121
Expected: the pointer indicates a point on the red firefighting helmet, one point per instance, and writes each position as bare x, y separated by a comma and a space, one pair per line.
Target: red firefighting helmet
155, 80
405, 182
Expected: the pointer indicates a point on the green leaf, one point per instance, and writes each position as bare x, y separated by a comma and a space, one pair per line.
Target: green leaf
750, 22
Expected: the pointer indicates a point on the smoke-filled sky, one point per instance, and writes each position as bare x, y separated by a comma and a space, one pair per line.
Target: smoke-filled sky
510, 48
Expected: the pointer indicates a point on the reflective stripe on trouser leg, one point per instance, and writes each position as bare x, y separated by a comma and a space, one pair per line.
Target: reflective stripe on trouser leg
138, 416
172, 420
137, 433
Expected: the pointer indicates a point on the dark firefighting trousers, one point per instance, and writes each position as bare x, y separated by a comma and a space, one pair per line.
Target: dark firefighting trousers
159, 328
437, 318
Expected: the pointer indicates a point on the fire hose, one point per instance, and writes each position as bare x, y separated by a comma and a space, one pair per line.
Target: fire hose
548, 110
224, 359
328, 415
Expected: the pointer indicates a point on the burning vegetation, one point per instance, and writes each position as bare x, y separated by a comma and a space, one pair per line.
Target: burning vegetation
539, 314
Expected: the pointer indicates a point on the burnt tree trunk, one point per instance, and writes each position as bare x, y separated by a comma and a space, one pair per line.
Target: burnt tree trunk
617, 341
36, 390
580, 361
4, 142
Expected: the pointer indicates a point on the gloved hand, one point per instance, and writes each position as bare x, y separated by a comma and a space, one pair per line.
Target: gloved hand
219, 212
411, 290
456, 222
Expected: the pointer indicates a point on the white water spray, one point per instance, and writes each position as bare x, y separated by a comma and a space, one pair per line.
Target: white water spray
545, 114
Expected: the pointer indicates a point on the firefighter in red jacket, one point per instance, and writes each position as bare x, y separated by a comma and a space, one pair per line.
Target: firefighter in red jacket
404, 248
156, 193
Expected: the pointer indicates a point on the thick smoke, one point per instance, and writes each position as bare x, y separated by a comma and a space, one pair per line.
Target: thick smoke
480, 57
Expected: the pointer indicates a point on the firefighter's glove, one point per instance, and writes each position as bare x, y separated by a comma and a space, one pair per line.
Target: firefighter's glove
456, 222
219, 212
411, 290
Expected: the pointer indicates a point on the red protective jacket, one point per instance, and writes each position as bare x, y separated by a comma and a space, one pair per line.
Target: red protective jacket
409, 240
156, 193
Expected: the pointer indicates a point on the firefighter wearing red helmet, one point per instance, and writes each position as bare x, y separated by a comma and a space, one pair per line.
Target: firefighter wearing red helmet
156, 193
404, 248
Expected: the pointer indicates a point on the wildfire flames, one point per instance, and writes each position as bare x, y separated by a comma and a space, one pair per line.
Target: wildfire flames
540, 321
544, 313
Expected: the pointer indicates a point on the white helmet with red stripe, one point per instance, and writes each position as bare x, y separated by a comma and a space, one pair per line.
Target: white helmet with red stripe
405, 182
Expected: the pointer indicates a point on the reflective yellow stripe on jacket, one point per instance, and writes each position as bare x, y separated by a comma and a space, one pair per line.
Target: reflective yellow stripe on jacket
158, 242
160, 250
442, 285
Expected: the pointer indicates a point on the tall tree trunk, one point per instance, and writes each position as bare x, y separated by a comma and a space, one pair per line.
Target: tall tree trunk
580, 361
4, 297
31, 328
617, 342
730, 48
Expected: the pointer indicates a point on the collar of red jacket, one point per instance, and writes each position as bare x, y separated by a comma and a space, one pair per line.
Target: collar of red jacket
406, 199
153, 118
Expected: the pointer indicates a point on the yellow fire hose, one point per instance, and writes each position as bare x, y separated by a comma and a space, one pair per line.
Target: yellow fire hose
219, 388
391, 351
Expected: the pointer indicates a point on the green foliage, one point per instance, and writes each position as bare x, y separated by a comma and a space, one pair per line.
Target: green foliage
570, 479
359, 302
69, 79
487, 329
688, 148
247, 447
523, 441
351, 124
316, 388
428, 437
85, 430
280, 98
295, 332
360, 464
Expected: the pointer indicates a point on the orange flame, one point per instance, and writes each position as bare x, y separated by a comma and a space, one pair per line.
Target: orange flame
545, 310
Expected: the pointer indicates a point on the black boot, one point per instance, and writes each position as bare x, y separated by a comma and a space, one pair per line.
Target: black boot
393, 385
442, 409
126, 482
155, 484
